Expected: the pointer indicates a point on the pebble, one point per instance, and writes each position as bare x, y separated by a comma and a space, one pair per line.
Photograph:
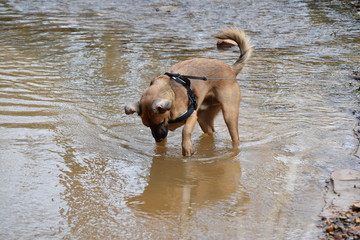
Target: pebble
355, 230
330, 228
343, 225
356, 207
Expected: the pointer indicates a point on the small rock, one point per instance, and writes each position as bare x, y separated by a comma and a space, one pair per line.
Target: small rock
330, 229
343, 218
356, 207
355, 230
338, 236
349, 214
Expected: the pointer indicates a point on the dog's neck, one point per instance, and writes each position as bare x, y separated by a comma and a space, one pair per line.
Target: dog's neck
164, 87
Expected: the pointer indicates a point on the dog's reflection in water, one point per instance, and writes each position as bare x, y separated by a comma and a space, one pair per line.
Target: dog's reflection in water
175, 184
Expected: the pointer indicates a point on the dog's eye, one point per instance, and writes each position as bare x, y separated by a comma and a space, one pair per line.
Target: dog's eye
152, 82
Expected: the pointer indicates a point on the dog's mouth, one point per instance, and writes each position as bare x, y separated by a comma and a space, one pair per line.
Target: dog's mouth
159, 132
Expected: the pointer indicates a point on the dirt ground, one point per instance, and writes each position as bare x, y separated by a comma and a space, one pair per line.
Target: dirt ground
340, 218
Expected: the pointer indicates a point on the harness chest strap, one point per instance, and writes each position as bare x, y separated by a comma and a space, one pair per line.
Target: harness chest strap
193, 104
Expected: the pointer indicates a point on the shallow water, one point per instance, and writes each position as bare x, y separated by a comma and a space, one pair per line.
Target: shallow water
74, 166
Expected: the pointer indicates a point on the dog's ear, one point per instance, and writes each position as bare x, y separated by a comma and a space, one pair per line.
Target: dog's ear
160, 105
131, 108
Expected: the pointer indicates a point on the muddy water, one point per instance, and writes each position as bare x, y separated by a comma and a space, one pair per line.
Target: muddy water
74, 166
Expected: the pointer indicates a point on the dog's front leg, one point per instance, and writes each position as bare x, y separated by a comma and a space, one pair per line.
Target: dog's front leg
187, 149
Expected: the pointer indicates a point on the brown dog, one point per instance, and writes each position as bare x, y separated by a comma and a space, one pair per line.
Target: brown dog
169, 102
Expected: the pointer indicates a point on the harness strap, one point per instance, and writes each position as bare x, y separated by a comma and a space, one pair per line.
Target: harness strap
183, 80
186, 76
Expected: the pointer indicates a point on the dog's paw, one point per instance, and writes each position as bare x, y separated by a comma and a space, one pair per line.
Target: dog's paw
187, 150
188, 153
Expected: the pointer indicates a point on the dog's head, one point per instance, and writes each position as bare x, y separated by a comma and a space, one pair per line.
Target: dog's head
154, 110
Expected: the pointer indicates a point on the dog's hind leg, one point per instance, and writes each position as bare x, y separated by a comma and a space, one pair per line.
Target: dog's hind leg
231, 119
206, 118
230, 104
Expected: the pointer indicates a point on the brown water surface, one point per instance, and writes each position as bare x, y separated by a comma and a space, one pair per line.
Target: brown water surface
74, 166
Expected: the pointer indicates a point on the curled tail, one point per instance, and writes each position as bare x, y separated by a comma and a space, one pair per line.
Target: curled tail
243, 43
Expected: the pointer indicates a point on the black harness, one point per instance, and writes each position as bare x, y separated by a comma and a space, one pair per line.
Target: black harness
184, 80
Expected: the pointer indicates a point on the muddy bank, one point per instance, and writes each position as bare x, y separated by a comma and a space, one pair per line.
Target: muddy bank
340, 218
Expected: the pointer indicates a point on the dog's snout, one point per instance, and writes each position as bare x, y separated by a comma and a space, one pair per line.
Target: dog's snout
159, 132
